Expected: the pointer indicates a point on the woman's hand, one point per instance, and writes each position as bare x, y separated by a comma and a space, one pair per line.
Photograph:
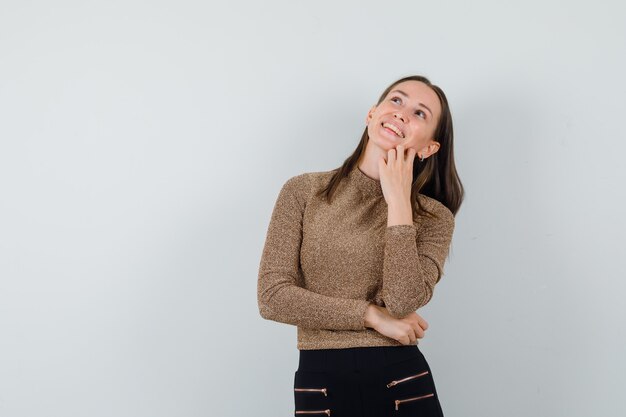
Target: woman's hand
396, 175
405, 330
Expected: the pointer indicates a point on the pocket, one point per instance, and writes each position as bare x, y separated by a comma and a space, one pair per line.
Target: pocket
406, 379
424, 404
313, 393
409, 389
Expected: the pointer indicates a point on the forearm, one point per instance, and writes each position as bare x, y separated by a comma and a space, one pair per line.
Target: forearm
399, 212
408, 278
284, 302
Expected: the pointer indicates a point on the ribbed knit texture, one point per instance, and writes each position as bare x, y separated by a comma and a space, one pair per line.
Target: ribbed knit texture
323, 264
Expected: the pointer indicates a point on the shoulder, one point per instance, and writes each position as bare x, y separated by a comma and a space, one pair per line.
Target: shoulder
442, 213
303, 186
305, 182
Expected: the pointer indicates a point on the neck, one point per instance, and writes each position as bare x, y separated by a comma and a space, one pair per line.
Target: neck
368, 162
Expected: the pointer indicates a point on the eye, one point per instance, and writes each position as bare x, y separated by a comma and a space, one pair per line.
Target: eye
423, 114
395, 98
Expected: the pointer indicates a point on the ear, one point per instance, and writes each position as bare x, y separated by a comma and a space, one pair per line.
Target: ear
370, 114
430, 149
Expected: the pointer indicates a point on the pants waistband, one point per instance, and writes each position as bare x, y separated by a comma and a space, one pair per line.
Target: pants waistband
357, 358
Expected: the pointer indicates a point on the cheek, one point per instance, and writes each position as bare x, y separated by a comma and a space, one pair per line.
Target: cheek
415, 141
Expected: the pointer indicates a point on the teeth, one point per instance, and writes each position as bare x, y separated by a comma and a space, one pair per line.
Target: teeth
392, 127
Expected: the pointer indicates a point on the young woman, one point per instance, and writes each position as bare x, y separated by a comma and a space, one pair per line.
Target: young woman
352, 253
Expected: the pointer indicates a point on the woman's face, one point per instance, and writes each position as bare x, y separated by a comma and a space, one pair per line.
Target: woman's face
412, 109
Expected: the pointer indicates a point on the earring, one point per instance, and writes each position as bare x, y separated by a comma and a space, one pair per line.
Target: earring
422, 158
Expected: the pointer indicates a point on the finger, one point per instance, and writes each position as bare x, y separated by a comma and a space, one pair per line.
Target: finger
419, 331
391, 156
423, 323
400, 150
411, 155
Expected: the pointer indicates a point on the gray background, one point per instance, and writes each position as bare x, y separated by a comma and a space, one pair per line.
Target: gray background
143, 145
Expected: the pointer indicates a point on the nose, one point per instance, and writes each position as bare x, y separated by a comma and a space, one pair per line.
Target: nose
399, 115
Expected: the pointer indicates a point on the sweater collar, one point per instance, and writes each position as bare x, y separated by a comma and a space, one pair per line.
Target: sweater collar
368, 186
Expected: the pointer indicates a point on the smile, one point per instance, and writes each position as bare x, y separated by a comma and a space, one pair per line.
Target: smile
393, 128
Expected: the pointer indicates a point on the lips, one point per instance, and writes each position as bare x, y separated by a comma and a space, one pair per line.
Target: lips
394, 128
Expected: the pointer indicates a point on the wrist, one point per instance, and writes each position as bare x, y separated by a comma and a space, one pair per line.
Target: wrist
399, 204
399, 213
372, 316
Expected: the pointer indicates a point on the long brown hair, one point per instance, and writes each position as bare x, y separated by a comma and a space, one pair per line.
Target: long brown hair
436, 177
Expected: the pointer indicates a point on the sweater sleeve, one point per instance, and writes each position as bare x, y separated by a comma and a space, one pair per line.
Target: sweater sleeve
413, 261
280, 294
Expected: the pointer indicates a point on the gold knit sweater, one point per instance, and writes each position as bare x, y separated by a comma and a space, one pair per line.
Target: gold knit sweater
322, 264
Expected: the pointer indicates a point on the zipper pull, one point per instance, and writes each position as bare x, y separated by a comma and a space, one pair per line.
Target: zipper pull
313, 389
324, 390
327, 412
413, 399
392, 383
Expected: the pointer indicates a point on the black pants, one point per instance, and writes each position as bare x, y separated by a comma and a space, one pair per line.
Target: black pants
379, 381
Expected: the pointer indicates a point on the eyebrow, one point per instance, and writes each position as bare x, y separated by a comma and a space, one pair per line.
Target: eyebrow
406, 95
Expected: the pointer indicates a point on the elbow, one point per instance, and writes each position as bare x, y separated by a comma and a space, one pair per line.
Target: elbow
265, 312
264, 308
264, 298
271, 302
400, 307
269, 309
274, 313
400, 310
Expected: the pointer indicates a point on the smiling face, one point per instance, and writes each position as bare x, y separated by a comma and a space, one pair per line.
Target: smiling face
408, 115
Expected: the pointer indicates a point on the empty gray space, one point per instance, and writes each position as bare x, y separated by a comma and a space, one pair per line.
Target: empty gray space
143, 145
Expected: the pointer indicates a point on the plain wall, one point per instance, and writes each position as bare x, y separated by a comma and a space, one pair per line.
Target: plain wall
143, 145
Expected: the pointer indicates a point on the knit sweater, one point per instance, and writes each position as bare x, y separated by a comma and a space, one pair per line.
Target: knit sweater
322, 264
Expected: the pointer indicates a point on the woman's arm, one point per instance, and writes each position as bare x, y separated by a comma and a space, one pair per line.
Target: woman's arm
413, 260
279, 296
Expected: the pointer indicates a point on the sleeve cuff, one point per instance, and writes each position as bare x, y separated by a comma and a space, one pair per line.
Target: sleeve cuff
402, 229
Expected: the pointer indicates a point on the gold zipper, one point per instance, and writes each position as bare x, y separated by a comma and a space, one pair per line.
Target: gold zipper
392, 383
412, 399
327, 412
313, 389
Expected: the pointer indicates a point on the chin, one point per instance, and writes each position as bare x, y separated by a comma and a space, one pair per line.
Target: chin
385, 143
